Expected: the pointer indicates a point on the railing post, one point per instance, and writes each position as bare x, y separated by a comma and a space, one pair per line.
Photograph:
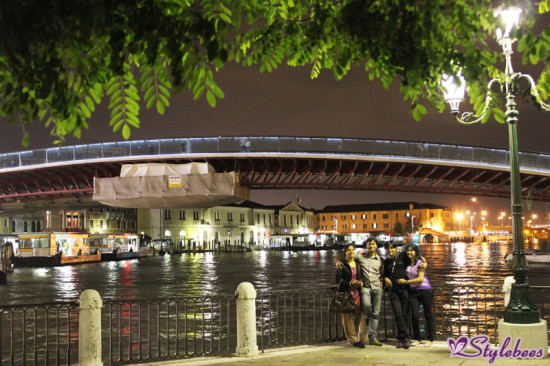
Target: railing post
246, 320
89, 329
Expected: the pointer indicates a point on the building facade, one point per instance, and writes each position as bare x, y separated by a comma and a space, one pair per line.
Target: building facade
381, 218
247, 223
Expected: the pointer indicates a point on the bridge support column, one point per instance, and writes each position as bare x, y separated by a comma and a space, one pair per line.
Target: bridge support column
246, 320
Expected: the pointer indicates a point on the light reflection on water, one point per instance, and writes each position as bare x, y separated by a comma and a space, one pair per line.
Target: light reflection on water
220, 273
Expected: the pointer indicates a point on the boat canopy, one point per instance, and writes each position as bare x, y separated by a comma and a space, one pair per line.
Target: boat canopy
169, 186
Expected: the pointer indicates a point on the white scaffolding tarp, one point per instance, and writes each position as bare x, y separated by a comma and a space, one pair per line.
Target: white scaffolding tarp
169, 186
157, 169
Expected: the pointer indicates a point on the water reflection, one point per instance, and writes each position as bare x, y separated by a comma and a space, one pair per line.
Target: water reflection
204, 274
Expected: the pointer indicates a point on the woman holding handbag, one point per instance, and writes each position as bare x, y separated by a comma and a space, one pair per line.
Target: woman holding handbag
349, 278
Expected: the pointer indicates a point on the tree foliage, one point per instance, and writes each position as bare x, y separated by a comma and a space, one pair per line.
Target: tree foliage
60, 58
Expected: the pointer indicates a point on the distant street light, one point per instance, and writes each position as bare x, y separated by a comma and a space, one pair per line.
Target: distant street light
521, 309
459, 217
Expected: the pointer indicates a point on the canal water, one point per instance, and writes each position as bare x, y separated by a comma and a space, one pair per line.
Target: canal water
220, 273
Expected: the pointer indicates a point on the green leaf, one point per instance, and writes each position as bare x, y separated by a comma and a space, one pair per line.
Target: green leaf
499, 115
160, 107
211, 98
126, 131
164, 100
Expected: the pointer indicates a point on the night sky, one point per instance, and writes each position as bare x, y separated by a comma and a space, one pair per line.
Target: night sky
287, 102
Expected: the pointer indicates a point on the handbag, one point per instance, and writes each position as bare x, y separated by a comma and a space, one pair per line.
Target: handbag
342, 302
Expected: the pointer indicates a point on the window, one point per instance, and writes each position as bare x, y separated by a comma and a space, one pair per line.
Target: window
353, 217
91, 224
431, 214
408, 214
345, 226
374, 216
270, 219
196, 215
242, 217
354, 226
386, 226
5, 222
167, 215
363, 216
258, 219
182, 215
396, 216
333, 217
323, 218
297, 220
385, 216
101, 224
343, 217
264, 219
365, 226
419, 214
230, 216
216, 216
291, 220
374, 226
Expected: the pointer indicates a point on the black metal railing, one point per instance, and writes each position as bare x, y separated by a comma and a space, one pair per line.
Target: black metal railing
39, 334
157, 330
296, 317
137, 331
272, 144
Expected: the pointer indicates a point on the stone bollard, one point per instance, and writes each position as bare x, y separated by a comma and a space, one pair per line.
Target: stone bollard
246, 320
89, 328
507, 289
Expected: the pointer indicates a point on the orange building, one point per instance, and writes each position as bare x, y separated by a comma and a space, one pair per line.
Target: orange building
381, 217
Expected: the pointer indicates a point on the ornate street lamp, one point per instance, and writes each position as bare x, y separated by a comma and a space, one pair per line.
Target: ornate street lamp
521, 309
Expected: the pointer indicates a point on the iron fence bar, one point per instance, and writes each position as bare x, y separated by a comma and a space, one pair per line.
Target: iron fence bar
158, 329
177, 328
69, 335
139, 328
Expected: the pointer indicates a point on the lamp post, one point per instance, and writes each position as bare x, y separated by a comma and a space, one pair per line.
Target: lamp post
521, 309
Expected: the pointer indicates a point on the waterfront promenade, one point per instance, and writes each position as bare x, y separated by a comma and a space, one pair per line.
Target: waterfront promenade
342, 354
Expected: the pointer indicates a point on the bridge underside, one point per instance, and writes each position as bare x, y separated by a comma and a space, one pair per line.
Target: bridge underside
73, 183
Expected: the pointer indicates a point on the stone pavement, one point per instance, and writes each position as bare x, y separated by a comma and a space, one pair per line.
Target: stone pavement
343, 354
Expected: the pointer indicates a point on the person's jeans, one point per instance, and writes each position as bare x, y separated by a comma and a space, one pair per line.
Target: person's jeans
424, 297
399, 299
370, 303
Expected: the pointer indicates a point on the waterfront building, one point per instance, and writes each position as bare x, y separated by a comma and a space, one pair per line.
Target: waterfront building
358, 221
244, 224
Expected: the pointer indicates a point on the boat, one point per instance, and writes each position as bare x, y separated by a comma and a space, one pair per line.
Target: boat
50, 249
58, 259
536, 257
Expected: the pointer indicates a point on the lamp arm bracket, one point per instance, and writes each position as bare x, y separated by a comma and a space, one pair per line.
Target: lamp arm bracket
534, 92
469, 118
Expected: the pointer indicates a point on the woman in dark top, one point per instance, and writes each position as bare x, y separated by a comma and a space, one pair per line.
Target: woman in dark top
349, 278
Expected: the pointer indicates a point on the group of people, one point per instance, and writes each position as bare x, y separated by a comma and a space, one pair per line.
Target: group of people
365, 276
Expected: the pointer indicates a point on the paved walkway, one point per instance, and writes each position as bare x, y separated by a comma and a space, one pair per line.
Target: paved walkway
343, 354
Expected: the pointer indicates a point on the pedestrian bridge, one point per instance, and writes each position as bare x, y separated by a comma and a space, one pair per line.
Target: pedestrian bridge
66, 173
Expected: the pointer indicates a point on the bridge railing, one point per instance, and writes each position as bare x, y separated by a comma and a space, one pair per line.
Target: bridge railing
282, 144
